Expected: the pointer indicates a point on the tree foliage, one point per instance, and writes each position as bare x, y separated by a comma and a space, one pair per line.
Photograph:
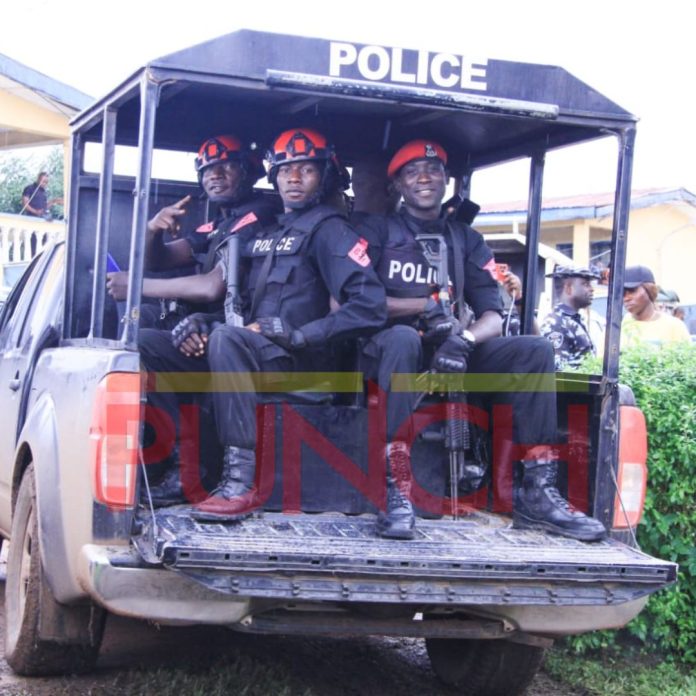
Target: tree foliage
19, 170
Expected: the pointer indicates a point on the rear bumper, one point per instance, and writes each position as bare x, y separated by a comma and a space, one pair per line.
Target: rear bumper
564, 621
151, 593
114, 580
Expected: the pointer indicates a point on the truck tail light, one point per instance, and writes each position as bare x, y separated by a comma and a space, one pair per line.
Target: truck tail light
633, 471
114, 438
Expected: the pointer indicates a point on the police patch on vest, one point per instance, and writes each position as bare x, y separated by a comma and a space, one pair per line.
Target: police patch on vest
409, 272
490, 267
206, 229
286, 246
243, 222
359, 253
556, 339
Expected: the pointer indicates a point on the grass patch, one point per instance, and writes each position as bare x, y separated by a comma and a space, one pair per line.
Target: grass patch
610, 675
241, 675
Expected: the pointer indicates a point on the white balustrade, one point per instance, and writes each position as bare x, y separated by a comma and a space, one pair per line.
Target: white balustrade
22, 237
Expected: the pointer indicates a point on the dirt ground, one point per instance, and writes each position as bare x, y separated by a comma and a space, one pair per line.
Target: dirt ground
328, 667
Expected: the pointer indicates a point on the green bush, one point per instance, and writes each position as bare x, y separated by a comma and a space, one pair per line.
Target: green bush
664, 383
18, 170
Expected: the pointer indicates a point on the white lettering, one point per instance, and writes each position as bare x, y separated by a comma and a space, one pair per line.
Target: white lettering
397, 74
409, 272
378, 63
262, 245
422, 74
472, 69
394, 268
341, 54
420, 278
382, 69
439, 60
285, 244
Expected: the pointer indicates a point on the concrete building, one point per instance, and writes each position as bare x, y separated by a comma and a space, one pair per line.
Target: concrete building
661, 232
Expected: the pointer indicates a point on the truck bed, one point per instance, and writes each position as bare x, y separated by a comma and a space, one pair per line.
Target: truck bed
476, 559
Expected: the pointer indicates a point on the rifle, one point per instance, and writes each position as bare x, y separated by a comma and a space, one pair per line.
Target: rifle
233, 301
463, 475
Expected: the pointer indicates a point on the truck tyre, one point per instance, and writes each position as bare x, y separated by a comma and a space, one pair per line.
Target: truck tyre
484, 667
31, 612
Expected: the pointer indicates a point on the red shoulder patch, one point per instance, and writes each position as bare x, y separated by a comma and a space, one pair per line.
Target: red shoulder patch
243, 222
359, 253
490, 267
206, 229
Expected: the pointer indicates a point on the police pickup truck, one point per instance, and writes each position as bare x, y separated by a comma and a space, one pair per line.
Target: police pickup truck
486, 598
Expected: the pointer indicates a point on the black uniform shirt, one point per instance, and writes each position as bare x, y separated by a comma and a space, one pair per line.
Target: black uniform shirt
480, 289
317, 256
259, 208
37, 196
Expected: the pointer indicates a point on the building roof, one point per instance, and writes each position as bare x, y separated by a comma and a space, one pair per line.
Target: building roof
21, 79
589, 205
30, 86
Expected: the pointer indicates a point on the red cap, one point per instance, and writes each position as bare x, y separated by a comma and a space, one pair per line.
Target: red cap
416, 149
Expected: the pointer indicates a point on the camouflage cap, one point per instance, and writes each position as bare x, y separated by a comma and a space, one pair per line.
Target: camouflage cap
574, 272
667, 295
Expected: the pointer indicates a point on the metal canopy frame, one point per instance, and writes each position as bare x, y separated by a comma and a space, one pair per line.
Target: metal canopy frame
258, 84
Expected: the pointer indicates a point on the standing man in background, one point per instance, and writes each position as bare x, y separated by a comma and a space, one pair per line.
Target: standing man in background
564, 326
34, 198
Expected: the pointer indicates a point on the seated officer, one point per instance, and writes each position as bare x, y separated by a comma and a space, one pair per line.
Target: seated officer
294, 268
227, 172
418, 173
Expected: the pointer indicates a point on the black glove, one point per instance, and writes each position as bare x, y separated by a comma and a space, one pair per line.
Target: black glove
436, 325
198, 323
452, 355
278, 331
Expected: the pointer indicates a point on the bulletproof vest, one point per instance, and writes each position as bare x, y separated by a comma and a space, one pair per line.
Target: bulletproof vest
403, 268
293, 289
223, 230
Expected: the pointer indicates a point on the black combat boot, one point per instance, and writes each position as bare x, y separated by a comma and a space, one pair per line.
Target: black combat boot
234, 498
168, 491
172, 488
398, 520
539, 505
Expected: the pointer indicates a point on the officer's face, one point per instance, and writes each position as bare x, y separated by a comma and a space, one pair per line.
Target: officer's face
422, 184
298, 183
221, 181
581, 292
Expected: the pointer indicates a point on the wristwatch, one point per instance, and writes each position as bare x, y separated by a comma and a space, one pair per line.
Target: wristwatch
469, 337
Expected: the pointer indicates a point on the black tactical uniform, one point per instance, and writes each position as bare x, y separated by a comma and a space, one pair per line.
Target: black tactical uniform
401, 266
568, 335
418, 170
244, 219
317, 255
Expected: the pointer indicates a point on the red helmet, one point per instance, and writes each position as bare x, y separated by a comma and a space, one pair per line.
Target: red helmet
297, 144
221, 148
413, 150
301, 144
228, 148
